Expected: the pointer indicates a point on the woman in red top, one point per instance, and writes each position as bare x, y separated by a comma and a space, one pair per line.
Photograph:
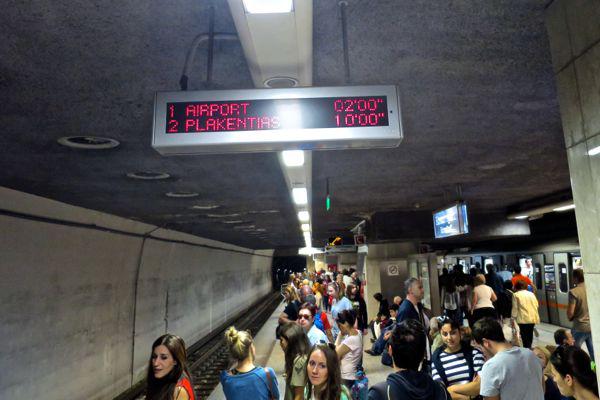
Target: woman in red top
168, 377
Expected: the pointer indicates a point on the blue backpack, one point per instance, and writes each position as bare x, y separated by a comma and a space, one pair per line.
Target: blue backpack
360, 388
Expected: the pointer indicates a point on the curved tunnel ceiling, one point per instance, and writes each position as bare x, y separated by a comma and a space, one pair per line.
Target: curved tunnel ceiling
478, 100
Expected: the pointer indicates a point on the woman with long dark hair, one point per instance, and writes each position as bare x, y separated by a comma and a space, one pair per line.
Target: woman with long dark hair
358, 305
295, 345
324, 378
168, 377
573, 374
349, 347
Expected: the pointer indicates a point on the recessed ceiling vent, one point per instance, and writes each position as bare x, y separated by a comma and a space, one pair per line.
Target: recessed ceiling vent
181, 194
148, 176
281, 82
88, 142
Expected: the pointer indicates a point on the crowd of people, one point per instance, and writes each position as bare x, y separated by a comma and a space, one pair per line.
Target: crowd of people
479, 348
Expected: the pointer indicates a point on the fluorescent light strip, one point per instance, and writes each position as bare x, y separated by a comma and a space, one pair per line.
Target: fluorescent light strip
293, 158
268, 6
564, 208
300, 196
522, 217
303, 216
594, 151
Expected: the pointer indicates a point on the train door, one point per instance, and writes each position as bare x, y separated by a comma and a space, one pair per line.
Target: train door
563, 285
466, 263
550, 286
538, 280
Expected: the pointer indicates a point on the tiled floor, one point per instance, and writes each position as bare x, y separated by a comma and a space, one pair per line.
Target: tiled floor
269, 353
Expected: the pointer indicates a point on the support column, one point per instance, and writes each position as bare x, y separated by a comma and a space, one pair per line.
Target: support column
574, 32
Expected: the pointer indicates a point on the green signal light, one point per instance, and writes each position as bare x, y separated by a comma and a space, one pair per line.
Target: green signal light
328, 203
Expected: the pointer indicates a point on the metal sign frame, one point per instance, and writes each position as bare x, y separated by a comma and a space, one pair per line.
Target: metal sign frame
279, 139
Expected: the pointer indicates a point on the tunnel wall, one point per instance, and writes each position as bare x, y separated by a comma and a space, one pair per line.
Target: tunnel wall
81, 306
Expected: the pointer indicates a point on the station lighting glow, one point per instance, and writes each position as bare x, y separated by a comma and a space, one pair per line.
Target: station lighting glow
564, 208
594, 151
293, 158
522, 217
307, 239
300, 195
268, 6
303, 216
305, 227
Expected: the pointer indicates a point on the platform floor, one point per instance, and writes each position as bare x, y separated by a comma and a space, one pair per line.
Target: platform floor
269, 353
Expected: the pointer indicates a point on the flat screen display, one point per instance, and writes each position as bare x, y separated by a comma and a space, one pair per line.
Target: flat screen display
451, 221
272, 114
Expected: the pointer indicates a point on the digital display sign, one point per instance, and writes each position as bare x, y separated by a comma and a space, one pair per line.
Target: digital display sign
251, 115
451, 221
276, 119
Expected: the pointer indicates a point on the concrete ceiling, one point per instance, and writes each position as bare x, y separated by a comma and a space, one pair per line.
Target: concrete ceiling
478, 100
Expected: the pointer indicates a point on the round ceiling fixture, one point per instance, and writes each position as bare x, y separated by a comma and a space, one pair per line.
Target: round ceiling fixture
205, 206
280, 82
223, 215
181, 194
88, 142
148, 176
489, 167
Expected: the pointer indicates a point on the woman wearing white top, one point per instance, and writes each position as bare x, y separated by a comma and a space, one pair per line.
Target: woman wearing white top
348, 347
483, 299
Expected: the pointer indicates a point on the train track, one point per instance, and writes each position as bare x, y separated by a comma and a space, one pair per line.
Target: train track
209, 356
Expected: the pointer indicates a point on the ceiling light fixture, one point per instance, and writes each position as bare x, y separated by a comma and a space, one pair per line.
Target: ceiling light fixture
303, 216
223, 215
538, 212
293, 158
300, 195
237, 221
149, 176
564, 208
268, 6
88, 142
182, 194
205, 207
594, 151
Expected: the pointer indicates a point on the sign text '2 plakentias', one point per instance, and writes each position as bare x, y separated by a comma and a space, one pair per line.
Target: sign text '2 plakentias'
273, 114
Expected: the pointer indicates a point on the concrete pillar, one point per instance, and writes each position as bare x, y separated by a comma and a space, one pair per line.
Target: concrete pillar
373, 279
574, 32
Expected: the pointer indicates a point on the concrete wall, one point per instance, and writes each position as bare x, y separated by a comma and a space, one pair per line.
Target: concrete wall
81, 306
574, 34
376, 272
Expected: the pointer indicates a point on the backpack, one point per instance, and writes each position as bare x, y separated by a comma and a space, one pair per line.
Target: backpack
450, 301
360, 388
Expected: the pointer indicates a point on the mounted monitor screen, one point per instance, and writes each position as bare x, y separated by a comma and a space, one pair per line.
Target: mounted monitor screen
451, 221
253, 120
